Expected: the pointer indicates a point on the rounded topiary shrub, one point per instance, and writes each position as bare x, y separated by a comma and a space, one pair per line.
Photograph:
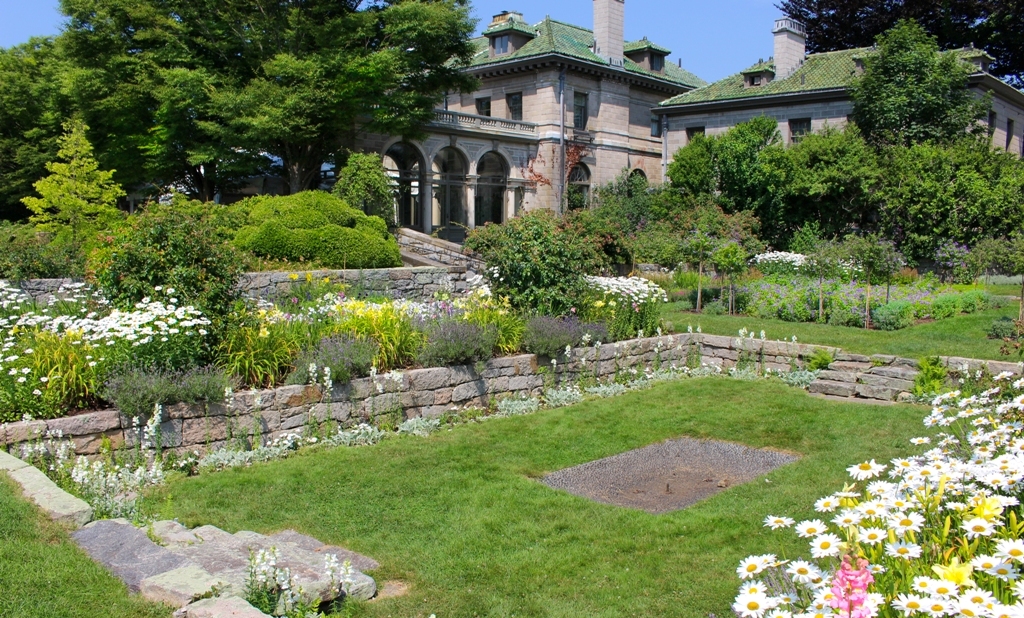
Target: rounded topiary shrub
315, 227
895, 315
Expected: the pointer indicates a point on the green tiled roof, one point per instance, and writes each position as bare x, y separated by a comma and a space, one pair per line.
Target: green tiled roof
555, 37
642, 44
824, 71
512, 26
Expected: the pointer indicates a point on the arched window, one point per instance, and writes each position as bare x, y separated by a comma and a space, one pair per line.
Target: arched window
577, 193
449, 209
405, 168
490, 190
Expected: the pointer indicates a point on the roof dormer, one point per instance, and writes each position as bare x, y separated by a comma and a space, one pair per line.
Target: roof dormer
508, 33
759, 74
977, 57
648, 55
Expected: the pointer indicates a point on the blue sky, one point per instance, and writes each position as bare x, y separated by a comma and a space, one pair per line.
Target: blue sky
714, 39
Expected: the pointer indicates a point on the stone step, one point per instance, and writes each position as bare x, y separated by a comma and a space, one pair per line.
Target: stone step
168, 563
902, 373
837, 376
884, 382
849, 366
831, 388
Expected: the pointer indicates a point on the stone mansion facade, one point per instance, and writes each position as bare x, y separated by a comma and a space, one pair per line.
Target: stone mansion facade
805, 93
561, 109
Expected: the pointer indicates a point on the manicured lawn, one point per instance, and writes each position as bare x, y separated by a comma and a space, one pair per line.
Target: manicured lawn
965, 335
44, 575
462, 518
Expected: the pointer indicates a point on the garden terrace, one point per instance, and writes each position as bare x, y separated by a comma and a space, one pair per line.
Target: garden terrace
964, 335
434, 392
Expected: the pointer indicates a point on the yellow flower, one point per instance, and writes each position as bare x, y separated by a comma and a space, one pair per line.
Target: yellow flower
264, 332
959, 574
988, 509
309, 277
599, 304
293, 277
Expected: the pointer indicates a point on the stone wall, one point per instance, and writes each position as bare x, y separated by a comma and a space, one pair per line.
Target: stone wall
439, 250
415, 283
433, 391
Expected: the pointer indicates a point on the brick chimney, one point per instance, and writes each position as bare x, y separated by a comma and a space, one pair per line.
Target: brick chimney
610, 30
790, 46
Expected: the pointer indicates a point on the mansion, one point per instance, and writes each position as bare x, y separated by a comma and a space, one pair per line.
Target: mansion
561, 109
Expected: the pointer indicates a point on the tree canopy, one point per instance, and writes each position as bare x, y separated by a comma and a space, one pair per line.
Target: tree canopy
911, 93
997, 26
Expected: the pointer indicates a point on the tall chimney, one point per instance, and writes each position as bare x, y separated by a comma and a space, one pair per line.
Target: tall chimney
610, 30
790, 46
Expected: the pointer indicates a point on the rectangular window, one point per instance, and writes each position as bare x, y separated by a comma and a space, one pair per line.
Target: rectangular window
580, 113
483, 106
514, 102
656, 126
500, 45
657, 63
1009, 133
798, 128
755, 80
692, 132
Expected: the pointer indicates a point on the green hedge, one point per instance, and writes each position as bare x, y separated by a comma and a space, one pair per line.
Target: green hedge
314, 226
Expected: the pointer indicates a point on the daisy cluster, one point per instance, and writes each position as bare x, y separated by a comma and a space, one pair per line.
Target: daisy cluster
795, 260
938, 533
636, 290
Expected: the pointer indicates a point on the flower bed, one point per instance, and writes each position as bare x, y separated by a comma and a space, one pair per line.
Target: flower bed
941, 537
78, 352
796, 299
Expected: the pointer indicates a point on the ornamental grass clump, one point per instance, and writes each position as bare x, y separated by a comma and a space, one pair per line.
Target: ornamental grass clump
941, 536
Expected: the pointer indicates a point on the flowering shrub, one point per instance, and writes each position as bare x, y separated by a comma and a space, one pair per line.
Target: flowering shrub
55, 358
484, 309
796, 300
550, 337
893, 316
941, 537
137, 391
629, 305
779, 262
456, 342
334, 360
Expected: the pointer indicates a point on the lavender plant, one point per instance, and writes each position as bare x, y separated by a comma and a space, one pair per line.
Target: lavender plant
345, 357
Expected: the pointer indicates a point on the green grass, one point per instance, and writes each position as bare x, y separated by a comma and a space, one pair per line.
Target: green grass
462, 517
43, 574
964, 335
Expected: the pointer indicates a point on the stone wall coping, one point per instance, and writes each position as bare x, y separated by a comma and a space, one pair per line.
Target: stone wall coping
37, 487
432, 391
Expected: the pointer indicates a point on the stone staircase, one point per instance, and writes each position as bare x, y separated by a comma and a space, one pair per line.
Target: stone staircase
876, 378
203, 571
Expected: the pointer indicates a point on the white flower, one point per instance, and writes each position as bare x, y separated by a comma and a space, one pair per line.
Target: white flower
825, 545
904, 550
866, 470
908, 603
811, 528
751, 605
977, 527
777, 522
1010, 550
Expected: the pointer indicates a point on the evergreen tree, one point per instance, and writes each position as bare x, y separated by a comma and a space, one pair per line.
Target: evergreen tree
77, 197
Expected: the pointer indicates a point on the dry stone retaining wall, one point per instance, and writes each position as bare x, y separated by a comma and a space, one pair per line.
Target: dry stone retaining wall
433, 391
411, 283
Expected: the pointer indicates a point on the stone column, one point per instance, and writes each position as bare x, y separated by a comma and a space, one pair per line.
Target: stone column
471, 200
427, 203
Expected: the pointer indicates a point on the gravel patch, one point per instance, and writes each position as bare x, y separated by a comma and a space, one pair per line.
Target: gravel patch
667, 476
